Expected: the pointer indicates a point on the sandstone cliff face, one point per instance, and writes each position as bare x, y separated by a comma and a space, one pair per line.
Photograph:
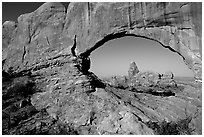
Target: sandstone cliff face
42, 45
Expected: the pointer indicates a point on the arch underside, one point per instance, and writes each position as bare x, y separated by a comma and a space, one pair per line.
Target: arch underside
120, 35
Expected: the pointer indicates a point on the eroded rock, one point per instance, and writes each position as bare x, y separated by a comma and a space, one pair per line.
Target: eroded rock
41, 47
133, 69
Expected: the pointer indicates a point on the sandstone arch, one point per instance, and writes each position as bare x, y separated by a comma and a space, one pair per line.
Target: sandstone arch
50, 30
167, 24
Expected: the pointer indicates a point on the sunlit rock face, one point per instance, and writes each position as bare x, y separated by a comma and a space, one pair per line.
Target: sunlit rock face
7, 33
41, 43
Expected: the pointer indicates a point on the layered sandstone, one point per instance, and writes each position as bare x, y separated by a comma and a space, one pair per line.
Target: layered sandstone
51, 44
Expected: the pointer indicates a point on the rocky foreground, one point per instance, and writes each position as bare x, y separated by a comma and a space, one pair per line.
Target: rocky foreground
47, 87
94, 106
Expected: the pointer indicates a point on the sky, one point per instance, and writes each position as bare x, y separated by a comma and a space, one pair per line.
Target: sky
12, 10
114, 57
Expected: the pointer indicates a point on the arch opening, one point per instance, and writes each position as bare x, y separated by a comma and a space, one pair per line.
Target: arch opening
114, 56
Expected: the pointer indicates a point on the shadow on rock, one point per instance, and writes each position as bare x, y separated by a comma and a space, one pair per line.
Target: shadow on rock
16, 103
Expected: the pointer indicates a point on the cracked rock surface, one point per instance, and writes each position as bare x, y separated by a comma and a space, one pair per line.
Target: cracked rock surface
47, 88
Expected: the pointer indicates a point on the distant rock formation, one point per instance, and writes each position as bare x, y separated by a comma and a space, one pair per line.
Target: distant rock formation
144, 79
167, 79
168, 75
133, 69
149, 78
